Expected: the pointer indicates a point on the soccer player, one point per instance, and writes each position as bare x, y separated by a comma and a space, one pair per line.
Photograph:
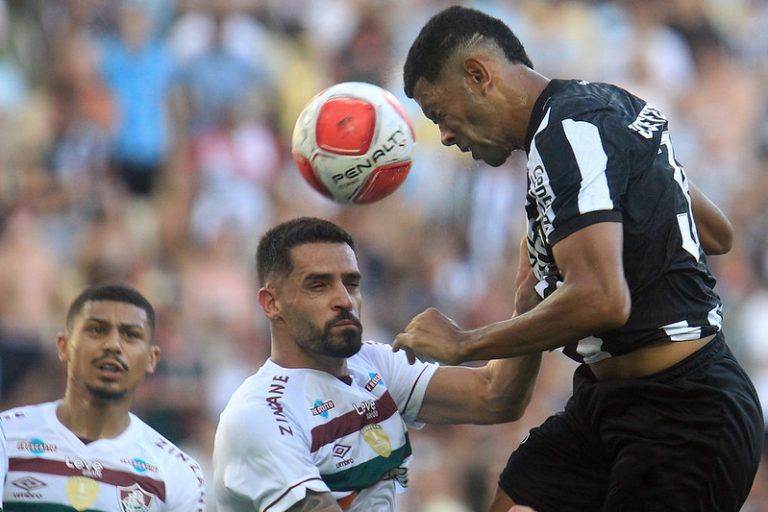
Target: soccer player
323, 424
662, 417
87, 451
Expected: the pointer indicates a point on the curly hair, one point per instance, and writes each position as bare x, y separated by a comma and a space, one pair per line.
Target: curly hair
448, 31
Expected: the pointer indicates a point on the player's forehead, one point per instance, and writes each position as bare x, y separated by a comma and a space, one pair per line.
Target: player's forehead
112, 312
323, 258
430, 95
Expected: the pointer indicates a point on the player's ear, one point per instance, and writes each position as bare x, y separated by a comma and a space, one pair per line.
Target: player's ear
477, 73
268, 302
61, 346
154, 357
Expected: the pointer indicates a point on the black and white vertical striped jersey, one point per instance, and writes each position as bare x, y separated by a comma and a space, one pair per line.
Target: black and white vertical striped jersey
596, 153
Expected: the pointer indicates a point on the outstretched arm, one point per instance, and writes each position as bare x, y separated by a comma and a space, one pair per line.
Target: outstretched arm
500, 390
714, 229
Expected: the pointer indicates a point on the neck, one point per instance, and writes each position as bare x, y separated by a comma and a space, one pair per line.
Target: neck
290, 355
523, 88
91, 418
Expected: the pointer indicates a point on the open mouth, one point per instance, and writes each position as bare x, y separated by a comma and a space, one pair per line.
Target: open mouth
111, 368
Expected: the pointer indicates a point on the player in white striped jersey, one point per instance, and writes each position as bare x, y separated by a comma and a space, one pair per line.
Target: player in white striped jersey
87, 451
662, 416
323, 424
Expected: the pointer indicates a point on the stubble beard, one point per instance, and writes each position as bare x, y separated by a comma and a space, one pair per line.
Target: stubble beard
324, 343
105, 395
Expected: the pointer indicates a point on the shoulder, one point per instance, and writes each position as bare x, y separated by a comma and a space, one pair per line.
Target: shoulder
173, 460
25, 416
265, 406
583, 100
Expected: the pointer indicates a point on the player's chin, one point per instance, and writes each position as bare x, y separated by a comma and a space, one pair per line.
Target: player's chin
107, 393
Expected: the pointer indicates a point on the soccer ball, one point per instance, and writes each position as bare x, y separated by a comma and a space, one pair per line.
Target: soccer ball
353, 143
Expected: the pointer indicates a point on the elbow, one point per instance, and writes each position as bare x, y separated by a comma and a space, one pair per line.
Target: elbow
722, 245
610, 309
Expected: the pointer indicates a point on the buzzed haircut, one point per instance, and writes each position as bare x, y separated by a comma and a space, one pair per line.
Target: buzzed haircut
111, 292
273, 253
448, 31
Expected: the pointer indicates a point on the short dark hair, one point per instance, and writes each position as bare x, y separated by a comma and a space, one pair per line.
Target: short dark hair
113, 292
445, 32
273, 252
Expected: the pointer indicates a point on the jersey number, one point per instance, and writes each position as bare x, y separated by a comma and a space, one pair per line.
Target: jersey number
685, 221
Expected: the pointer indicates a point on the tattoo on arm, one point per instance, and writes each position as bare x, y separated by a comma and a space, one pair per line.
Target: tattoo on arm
316, 502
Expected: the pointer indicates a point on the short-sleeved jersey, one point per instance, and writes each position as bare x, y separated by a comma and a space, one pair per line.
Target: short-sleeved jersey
52, 470
286, 431
596, 153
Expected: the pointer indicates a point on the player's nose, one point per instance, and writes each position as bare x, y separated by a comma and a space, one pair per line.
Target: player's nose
447, 137
342, 298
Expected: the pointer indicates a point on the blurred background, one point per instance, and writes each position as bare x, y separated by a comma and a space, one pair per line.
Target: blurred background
148, 141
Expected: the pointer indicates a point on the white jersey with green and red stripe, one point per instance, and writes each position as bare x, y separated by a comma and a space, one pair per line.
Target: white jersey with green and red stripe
287, 430
50, 469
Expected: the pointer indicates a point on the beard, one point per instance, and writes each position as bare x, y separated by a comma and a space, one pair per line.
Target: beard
324, 342
105, 395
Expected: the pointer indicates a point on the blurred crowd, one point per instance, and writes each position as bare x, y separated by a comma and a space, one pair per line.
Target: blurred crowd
149, 142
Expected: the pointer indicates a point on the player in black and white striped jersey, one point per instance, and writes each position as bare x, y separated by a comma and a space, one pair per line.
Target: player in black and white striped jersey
662, 416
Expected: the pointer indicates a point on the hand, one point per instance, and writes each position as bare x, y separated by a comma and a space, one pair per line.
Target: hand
521, 508
431, 334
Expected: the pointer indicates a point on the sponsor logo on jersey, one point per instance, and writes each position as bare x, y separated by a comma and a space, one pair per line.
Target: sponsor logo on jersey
28, 484
82, 492
367, 409
140, 465
375, 380
377, 439
648, 121
36, 446
340, 451
321, 408
134, 499
542, 191
91, 469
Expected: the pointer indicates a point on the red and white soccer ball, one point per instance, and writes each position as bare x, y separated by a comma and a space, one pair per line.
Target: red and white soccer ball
353, 143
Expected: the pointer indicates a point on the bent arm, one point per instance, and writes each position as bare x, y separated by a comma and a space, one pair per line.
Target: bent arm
501, 390
714, 229
594, 297
495, 393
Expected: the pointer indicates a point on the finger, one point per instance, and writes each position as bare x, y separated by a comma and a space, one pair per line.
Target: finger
411, 355
399, 342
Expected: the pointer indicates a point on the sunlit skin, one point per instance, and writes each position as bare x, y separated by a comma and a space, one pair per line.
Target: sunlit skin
315, 310
108, 350
486, 111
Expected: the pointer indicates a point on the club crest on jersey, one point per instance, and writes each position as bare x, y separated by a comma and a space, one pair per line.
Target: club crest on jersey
375, 380
82, 492
377, 438
321, 408
134, 499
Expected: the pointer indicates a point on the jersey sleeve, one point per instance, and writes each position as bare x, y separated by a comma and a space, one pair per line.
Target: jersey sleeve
574, 176
407, 383
262, 464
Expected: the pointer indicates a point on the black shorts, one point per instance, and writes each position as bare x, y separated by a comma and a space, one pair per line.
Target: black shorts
686, 439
